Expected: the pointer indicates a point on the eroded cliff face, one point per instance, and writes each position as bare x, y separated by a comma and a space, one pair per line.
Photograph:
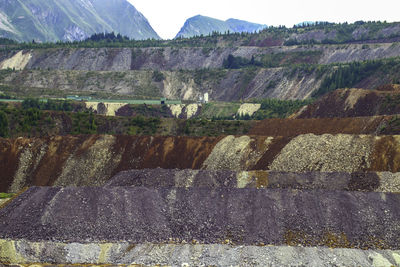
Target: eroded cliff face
187, 73
93, 160
222, 85
190, 58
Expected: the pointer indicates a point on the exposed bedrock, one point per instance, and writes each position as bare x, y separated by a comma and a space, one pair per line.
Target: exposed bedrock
93, 160
196, 215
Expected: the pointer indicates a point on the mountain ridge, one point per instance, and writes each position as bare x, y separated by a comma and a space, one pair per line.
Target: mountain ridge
203, 25
66, 20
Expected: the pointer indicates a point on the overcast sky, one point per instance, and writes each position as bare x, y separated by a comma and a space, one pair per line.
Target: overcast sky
168, 16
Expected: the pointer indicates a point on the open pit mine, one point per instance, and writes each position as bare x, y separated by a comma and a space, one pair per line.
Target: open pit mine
281, 148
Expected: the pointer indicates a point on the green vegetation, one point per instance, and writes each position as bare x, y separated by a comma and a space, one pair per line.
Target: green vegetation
203, 127
392, 128
372, 30
219, 110
6, 41
51, 104
390, 104
348, 75
273, 60
33, 122
158, 76
274, 108
275, 35
212, 75
232, 62
286, 59
3, 124
6, 195
83, 123
140, 125
147, 111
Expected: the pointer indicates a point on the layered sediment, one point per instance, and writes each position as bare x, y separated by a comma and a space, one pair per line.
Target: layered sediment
93, 160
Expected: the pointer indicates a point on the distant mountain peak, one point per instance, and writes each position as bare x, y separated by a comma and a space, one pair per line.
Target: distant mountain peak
203, 25
70, 20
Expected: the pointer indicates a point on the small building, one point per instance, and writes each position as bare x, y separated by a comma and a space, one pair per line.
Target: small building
205, 98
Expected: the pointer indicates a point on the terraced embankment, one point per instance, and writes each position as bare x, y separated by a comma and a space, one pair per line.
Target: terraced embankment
294, 127
188, 73
103, 225
92, 160
167, 178
175, 58
354, 103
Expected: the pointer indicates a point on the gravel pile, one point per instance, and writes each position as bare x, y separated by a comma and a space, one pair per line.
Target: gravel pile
208, 216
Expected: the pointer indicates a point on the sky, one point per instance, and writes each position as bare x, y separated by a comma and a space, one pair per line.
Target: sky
168, 16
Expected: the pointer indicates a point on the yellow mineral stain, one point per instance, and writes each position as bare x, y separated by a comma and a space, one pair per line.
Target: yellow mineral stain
104, 248
262, 179
244, 179
8, 252
18, 61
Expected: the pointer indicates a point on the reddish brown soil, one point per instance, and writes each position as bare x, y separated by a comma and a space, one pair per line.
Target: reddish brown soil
146, 152
294, 127
386, 155
385, 101
9, 155
165, 152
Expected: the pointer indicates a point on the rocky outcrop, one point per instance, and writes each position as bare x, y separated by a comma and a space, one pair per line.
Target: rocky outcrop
106, 108
53, 21
202, 25
248, 109
185, 111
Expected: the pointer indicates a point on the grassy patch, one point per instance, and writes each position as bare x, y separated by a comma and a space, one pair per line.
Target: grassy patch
221, 110
6, 195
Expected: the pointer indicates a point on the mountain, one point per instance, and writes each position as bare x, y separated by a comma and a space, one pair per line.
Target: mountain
70, 20
202, 25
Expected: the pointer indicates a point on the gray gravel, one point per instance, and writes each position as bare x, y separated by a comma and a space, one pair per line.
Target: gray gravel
159, 178
197, 255
207, 216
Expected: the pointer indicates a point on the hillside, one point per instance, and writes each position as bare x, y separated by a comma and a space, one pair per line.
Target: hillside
295, 72
355, 103
51, 20
297, 63
202, 25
